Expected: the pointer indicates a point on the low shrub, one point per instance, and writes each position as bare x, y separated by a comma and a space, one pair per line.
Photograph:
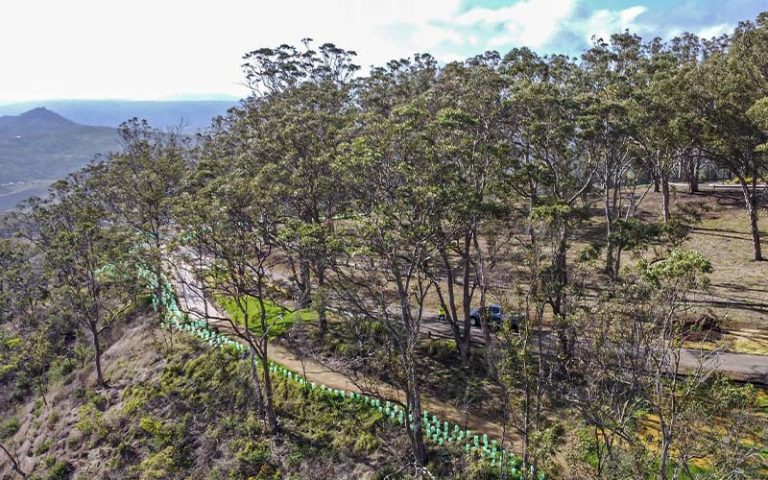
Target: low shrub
43, 447
61, 470
9, 428
442, 350
90, 421
158, 466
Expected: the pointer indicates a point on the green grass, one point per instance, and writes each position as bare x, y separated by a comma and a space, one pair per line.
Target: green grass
279, 319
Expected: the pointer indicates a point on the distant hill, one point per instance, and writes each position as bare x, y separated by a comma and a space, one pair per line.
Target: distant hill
39, 146
193, 115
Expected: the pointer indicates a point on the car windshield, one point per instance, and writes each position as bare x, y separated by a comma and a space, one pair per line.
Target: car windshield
495, 309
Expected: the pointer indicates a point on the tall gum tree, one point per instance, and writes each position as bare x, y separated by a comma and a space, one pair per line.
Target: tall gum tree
608, 70
139, 186
300, 111
550, 167
469, 129
735, 79
232, 224
389, 244
85, 256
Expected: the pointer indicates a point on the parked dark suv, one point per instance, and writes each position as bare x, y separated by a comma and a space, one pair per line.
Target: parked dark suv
496, 316
494, 313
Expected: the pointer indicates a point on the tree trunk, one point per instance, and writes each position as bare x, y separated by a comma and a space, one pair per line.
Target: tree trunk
665, 196
320, 307
656, 181
97, 355
14, 462
694, 162
257, 383
467, 295
465, 348
558, 302
304, 284
269, 405
664, 457
158, 272
489, 359
750, 200
460, 328
413, 393
608, 229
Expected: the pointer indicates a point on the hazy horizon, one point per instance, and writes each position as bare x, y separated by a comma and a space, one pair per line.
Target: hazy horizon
182, 98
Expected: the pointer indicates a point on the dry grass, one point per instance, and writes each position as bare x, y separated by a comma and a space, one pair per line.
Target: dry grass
738, 293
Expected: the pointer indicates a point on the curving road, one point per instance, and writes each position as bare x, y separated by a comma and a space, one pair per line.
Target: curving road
737, 366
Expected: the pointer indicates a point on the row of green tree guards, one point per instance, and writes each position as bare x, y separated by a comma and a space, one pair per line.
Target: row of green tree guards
440, 432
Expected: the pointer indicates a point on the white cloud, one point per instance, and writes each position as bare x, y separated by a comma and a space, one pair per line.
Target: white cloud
714, 31
603, 23
156, 49
527, 22
429, 36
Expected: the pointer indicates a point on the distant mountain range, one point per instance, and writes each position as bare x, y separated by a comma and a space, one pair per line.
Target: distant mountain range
192, 115
41, 144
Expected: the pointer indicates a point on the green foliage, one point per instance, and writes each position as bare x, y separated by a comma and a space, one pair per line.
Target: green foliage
388, 183
442, 350
634, 233
366, 444
251, 454
90, 421
63, 367
9, 427
159, 465
53, 418
43, 447
60, 470
553, 212
155, 429
210, 389
680, 265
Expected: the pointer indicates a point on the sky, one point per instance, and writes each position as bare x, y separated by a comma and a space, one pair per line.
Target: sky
192, 49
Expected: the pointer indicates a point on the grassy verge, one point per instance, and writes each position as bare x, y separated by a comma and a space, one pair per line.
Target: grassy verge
279, 318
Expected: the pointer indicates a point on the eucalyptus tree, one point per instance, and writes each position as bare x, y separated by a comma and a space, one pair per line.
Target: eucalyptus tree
23, 287
468, 117
608, 71
233, 224
24, 307
734, 82
385, 88
550, 168
688, 51
630, 364
666, 287
85, 256
300, 111
140, 184
655, 115
388, 243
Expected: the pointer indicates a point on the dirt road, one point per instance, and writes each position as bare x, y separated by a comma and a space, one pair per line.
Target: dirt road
193, 301
737, 366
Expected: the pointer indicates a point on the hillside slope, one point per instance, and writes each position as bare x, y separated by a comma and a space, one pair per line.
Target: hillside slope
40, 144
186, 411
